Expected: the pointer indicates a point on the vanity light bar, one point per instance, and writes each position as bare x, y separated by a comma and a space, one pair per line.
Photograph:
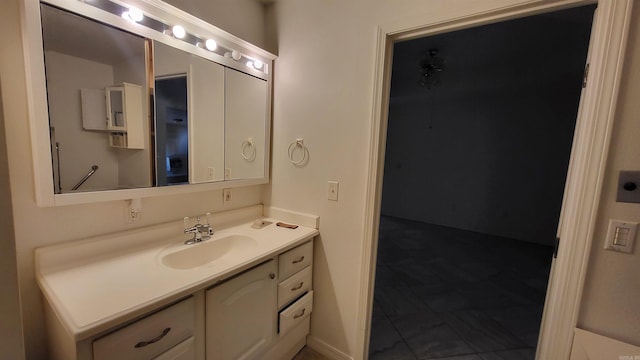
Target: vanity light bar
177, 31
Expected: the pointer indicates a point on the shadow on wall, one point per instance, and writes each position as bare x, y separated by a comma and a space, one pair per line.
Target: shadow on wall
11, 344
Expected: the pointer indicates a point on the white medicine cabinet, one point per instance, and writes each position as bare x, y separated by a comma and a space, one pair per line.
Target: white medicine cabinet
137, 142
124, 116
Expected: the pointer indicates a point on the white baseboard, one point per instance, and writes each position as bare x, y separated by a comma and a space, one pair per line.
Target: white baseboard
326, 349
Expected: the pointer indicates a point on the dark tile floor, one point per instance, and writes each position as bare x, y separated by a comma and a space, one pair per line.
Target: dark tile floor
444, 293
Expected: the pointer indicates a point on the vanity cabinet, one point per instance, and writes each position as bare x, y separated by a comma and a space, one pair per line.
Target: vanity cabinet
253, 303
167, 334
124, 116
241, 314
295, 297
250, 315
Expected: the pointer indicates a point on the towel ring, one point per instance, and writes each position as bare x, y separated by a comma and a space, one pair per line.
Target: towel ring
298, 143
248, 150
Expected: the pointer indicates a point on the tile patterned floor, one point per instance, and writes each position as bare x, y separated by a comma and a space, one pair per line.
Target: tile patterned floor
445, 293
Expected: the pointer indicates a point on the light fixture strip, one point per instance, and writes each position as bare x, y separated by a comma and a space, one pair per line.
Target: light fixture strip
170, 30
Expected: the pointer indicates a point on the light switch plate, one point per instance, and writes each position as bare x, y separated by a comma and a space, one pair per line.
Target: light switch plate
332, 190
621, 235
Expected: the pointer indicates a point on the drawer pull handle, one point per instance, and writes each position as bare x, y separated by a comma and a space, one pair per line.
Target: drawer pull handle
298, 287
298, 260
299, 315
155, 339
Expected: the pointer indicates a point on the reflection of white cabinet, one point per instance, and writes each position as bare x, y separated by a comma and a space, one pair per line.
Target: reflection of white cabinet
124, 116
241, 314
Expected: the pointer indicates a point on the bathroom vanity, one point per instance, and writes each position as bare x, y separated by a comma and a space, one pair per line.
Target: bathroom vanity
246, 293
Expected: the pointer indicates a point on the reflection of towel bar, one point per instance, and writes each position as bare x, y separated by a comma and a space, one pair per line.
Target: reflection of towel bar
86, 177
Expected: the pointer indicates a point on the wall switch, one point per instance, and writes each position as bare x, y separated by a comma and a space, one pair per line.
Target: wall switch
332, 190
226, 196
211, 173
621, 235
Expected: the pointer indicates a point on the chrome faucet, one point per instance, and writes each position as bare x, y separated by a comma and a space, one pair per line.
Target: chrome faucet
201, 232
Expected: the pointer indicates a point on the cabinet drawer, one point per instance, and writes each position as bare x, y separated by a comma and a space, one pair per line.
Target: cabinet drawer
294, 286
296, 313
186, 350
150, 336
295, 260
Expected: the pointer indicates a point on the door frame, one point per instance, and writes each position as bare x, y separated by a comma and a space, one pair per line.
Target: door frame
586, 167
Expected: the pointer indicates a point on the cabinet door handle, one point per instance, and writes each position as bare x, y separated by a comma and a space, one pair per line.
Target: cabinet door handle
300, 315
298, 287
155, 339
298, 260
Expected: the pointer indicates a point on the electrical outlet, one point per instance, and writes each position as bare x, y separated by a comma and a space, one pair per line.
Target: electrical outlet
332, 190
227, 173
133, 210
131, 215
211, 173
226, 196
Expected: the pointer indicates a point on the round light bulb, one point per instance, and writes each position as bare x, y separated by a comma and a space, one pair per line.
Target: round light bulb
257, 64
135, 14
178, 31
211, 44
235, 55
250, 63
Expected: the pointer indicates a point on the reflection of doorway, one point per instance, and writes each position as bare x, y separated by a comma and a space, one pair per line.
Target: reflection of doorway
172, 130
478, 139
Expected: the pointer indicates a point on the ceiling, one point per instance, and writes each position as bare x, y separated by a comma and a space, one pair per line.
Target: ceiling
80, 37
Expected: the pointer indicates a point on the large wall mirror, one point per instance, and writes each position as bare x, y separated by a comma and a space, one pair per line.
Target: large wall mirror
131, 110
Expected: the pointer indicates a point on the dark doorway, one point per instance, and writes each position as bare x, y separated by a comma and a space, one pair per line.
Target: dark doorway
479, 137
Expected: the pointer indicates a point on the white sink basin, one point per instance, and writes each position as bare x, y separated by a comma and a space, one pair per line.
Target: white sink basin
208, 251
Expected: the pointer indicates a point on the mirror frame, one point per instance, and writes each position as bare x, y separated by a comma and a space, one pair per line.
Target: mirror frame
37, 95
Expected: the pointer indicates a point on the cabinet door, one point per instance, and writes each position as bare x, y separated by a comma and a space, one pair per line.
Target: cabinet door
241, 315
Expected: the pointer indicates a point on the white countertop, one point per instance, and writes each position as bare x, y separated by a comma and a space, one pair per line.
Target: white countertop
91, 291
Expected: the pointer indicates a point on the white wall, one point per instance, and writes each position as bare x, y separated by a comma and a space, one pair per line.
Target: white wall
35, 226
134, 165
612, 289
79, 149
487, 148
324, 93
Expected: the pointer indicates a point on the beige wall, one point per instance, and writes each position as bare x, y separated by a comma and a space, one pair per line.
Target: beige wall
324, 94
11, 345
242, 18
612, 289
36, 226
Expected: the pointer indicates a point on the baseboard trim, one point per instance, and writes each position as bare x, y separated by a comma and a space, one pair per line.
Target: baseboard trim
326, 349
